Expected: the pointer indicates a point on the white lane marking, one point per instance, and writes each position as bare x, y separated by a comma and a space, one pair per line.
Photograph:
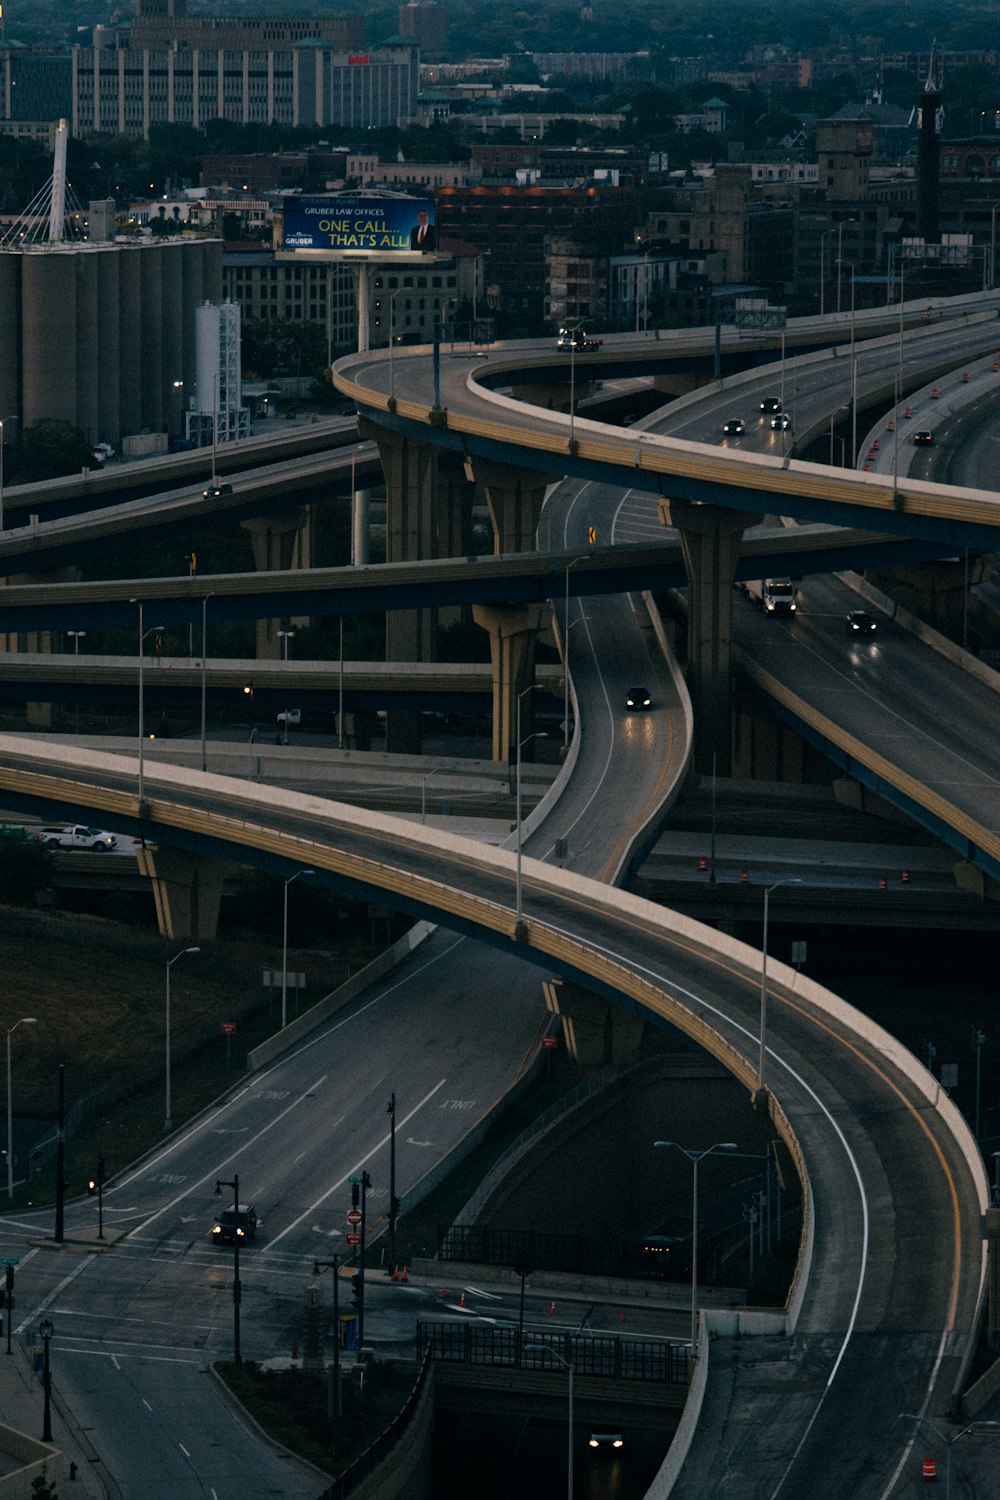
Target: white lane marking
313, 1207
208, 1176
184, 1450
46, 1302
146, 1404
708, 1008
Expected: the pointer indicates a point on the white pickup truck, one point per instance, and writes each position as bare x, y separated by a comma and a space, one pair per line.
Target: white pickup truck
78, 836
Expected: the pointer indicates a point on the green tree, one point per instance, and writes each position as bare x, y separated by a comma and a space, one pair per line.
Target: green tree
25, 867
51, 448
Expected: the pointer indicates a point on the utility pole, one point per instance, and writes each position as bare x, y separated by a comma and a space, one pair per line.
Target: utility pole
393, 1204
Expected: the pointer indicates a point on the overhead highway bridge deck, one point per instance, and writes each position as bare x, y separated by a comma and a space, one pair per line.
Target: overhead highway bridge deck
882, 1314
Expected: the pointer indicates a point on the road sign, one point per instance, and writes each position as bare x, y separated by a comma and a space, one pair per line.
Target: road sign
228, 1028
352, 1239
550, 1041
591, 534
354, 1216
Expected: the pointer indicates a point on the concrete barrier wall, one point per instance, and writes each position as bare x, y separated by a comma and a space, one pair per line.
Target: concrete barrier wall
37, 1460
296, 1030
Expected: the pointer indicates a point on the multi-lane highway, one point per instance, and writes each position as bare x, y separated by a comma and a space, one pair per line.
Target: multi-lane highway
879, 1329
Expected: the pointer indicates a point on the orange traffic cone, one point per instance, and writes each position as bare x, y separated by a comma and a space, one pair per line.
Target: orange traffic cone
965, 377
395, 1274
930, 1468
621, 1315
442, 1292
404, 1278
552, 1310
461, 1300
909, 412
905, 877
892, 425
934, 394
702, 862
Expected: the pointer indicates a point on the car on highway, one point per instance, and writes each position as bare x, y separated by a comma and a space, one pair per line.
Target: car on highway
923, 439
216, 491
103, 451
781, 422
638, 698
610, 1441
78, 836
235, 1224
770, 404
733, 427
859, 622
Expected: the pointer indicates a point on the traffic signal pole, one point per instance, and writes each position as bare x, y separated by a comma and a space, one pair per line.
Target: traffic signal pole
366, 1183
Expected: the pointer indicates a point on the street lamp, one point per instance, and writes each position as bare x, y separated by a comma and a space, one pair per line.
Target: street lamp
788, 880
568, 1363
284, 947
2, 437
153, 630
167, 1120
694, 1157
566, 656
235, 1185
949, 1442
284, 636
423, 793
392, 333
204, 674
24, 1021
45, 1332
76, 636
539, 735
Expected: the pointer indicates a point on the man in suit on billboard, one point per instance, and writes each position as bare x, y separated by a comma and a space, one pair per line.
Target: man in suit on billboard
422, 236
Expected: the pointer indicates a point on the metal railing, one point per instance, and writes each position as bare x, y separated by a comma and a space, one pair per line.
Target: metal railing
369, 1460
602, 1356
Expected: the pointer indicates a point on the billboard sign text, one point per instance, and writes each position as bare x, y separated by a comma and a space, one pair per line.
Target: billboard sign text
374, 226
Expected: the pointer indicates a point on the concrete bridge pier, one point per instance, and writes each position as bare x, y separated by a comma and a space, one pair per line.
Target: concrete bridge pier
42, 642
595, 1031
515, 498
428, 515
280, 543
710, 539
187, 890
513, 631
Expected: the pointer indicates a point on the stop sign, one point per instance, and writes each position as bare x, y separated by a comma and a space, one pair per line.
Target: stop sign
354, 1216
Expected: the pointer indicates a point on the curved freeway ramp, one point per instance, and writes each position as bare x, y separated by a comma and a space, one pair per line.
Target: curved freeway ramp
890, 1277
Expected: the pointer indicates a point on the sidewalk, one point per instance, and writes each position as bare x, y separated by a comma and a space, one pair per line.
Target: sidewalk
22, 1407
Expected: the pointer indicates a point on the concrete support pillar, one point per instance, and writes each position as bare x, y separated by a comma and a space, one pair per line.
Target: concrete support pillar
513, 631
710, 538
595, 1031
280, 542
514, 497
428, 515
992, 1225
42, 642
187, 889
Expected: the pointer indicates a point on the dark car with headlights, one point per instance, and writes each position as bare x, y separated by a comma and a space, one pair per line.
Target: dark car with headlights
859, 622
235, 1224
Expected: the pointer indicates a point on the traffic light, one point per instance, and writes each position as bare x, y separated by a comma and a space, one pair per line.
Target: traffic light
358, 1289
91, 1184
9, 1281
355, 1192
248, 689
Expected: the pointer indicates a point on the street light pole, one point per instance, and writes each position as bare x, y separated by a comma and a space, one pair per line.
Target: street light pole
153, 630
284, 947
24, 1021
694, 1157
788, 880
392, 335
2, 438
45, 1332
204, 675
75, 636
167, 1112
285, 636
569, 1364
237, 1291
948, 1442
517, 810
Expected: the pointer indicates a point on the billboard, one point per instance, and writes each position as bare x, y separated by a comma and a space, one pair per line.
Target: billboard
367, 226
